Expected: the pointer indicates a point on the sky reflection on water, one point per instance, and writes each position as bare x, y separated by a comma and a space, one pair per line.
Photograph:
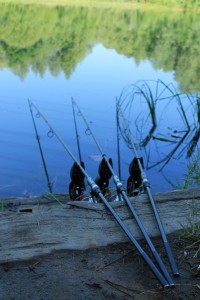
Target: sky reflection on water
95, 83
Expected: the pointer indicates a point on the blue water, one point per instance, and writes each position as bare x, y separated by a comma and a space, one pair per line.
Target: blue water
95, 83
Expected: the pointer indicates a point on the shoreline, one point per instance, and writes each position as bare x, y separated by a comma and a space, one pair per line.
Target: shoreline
41, 225
38, 262
108, 4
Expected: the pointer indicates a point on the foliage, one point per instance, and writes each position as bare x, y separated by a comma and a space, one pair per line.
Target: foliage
184, 3
57, 38
192, 230
192, 174
191, 179
169, 3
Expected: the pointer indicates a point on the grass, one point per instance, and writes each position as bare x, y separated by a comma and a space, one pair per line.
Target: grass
192, 230
117, 4
1, 199
53, 197
192, 179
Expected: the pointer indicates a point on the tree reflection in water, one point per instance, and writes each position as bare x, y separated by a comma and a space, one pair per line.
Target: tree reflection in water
57, 38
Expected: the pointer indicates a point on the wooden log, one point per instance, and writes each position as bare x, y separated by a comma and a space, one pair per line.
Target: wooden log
38, 226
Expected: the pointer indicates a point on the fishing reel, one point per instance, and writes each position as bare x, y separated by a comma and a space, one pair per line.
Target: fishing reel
77, 184
134, 182
104, 176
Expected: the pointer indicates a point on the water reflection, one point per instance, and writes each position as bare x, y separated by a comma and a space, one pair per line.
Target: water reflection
165, 123
38, 38
49, 54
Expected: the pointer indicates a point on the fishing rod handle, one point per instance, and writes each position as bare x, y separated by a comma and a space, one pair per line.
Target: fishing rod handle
118, 184
145, 181
163, 235
148, 240
146, 258
162, 267
171, 260
93, 186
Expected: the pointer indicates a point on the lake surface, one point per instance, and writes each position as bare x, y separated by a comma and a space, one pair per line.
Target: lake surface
51, 54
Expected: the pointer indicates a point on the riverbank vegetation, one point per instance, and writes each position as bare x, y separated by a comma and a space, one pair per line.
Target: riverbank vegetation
191, 176
148, 4
58, 38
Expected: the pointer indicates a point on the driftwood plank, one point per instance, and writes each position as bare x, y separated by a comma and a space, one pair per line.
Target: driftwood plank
32, 227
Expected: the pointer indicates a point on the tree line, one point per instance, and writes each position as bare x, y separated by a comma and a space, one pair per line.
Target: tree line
40, 37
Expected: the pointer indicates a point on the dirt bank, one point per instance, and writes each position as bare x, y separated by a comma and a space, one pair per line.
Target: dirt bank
114, 272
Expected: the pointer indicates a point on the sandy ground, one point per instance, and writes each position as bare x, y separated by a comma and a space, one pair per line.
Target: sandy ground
115, 272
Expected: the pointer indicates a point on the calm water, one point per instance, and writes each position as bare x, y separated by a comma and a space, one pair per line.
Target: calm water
49, 55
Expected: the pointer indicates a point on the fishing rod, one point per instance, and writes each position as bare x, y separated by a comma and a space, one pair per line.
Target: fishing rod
118, 148
118, 144
97, 192
77, 185
122, 192
104, 173
76, 131
146, 186
40, 148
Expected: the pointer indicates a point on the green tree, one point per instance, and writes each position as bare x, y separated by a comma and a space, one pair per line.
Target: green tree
40, 37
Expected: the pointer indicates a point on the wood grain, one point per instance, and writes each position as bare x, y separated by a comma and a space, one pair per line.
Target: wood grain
38, 226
